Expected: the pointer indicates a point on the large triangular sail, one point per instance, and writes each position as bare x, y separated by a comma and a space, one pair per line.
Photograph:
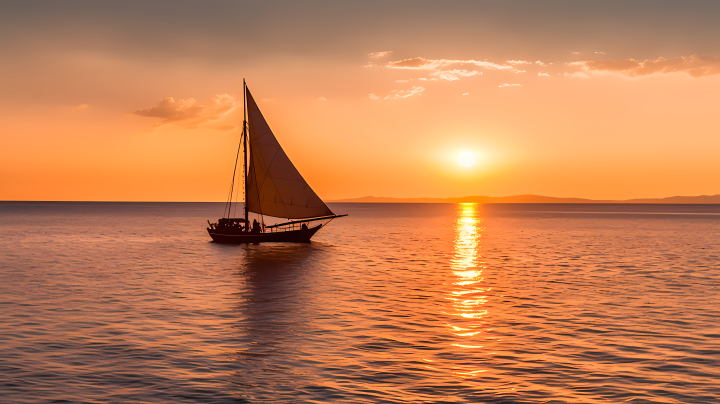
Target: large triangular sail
274, 185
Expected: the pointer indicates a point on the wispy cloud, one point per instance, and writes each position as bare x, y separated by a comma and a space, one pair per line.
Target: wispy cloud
543, 74
510, 85
695, 66
438, 64
576, 75
188, 113
586, 53
378, 55
397, 94
447, 69
322, 98
373, 96
452, 75
519, 62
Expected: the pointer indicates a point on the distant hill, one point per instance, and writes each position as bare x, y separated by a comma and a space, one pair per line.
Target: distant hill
702, 199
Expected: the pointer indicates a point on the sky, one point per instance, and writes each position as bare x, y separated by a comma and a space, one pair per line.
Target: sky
141, 101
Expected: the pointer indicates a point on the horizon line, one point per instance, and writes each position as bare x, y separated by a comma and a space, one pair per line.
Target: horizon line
517, 199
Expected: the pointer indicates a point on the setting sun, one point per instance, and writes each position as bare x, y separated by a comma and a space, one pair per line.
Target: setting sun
466, 159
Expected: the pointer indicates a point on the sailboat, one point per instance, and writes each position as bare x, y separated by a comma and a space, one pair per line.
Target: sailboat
273, 187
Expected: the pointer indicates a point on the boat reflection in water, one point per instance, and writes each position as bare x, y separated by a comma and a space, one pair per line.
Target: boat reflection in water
275, 308
467, 295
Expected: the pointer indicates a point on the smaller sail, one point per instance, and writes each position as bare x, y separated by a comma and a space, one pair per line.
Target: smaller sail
274, 186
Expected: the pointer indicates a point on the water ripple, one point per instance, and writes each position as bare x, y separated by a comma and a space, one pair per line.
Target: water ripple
393, 304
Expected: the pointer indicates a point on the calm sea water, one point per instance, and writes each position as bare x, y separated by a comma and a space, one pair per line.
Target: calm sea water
131, 302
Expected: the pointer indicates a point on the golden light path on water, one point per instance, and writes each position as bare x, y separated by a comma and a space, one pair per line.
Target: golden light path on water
467, 295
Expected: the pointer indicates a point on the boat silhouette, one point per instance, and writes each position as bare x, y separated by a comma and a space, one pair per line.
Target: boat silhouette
273, 187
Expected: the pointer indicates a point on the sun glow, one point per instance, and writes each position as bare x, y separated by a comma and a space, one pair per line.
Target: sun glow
466, 159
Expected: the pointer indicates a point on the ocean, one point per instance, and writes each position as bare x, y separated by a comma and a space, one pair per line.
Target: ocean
396, 303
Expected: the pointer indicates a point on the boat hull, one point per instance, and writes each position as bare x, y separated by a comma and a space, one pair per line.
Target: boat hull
292, 236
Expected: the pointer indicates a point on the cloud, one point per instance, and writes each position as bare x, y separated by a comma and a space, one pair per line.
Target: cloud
82, 106
695, 66
576, 74
397, 94
322, 99
447, 69
378, 55
172, 111
519, 62
373, 96
414, 63
189, 112
581, 53
543, 74
437, 64
541, 64
510, 85
445, 76
452, 75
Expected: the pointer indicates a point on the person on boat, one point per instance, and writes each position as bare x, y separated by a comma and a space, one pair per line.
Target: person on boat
256, 226
304, 226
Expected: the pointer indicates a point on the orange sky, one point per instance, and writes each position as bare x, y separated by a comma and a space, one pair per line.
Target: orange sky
598, 99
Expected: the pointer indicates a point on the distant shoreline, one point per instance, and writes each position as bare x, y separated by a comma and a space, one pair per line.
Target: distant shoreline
675, 200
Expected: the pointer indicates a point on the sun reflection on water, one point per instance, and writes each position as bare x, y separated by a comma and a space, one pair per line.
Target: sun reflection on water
467, 295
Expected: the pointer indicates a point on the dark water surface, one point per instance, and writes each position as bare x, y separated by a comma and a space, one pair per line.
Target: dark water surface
131, 302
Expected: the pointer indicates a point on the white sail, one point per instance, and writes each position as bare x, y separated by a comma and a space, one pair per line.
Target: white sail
274, 185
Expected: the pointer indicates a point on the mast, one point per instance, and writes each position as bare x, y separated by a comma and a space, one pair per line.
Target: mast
245, 155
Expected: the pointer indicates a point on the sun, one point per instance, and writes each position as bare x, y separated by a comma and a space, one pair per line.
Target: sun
466, 159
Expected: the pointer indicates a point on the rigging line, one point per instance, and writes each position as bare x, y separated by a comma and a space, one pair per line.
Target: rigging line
226, 205
237, 192
246, 143
234, 213
226, 211
228, 201
244, 176
229, 205
245, 130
